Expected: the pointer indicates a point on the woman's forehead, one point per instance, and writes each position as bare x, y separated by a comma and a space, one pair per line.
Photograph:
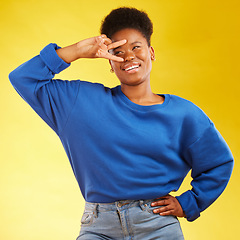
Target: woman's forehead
130, 34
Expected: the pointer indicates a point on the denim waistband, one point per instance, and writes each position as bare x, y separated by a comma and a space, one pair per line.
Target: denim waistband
118, 205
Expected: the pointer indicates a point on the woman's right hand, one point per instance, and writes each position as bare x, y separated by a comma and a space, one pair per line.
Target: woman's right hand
95, 47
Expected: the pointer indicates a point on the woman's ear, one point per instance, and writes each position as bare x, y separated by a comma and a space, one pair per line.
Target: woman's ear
152, 53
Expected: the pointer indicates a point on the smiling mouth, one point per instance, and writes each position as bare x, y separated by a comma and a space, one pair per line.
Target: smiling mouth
132, 67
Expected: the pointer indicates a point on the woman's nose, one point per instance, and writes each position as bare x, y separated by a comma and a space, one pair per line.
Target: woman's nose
129, 56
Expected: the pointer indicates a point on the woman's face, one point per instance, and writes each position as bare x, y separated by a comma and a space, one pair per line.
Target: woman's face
137, 56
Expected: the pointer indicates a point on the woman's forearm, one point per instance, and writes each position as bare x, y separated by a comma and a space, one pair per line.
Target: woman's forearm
69, 53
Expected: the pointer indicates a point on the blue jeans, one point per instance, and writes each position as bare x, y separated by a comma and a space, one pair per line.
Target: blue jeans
127, 220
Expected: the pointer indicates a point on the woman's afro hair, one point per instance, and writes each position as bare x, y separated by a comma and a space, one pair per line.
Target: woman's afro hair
125, 17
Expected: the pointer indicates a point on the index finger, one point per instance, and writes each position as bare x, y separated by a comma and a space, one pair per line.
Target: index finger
116, 44
160, 202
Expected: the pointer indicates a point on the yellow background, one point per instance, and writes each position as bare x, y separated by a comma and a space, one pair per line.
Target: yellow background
197, 52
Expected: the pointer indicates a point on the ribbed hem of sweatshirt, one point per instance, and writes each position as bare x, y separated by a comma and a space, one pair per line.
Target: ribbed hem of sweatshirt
52, 60
189, 206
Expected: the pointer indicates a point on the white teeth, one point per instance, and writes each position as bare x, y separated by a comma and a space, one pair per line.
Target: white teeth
130, 68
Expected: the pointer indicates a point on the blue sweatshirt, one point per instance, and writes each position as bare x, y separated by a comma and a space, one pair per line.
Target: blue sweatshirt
121, 150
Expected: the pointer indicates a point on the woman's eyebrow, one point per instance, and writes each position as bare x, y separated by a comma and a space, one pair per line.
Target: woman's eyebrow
136, 42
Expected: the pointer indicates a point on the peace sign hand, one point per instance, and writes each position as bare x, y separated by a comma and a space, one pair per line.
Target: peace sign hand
98, 47
95, 47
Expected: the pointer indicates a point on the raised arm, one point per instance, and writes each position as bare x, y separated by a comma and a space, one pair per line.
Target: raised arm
54, 99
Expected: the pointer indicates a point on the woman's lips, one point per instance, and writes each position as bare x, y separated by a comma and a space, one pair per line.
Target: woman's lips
131, 68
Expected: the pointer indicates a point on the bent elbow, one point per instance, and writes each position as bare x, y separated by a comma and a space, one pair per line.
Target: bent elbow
13, 77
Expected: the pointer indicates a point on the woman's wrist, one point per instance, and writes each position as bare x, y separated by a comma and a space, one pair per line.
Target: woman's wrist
69, 53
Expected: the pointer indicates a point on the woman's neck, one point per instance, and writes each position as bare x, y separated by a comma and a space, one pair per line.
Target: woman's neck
141, 94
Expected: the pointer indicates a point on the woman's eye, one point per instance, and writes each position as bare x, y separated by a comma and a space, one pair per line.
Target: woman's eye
118, 52
135, 47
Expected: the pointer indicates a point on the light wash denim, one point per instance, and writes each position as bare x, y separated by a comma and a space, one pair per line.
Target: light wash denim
127, 220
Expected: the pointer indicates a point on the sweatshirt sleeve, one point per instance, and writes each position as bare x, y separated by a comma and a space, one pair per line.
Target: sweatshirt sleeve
51, 99
211, 161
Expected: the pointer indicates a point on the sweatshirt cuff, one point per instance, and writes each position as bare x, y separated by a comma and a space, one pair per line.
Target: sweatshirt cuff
189, 205
52, 60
